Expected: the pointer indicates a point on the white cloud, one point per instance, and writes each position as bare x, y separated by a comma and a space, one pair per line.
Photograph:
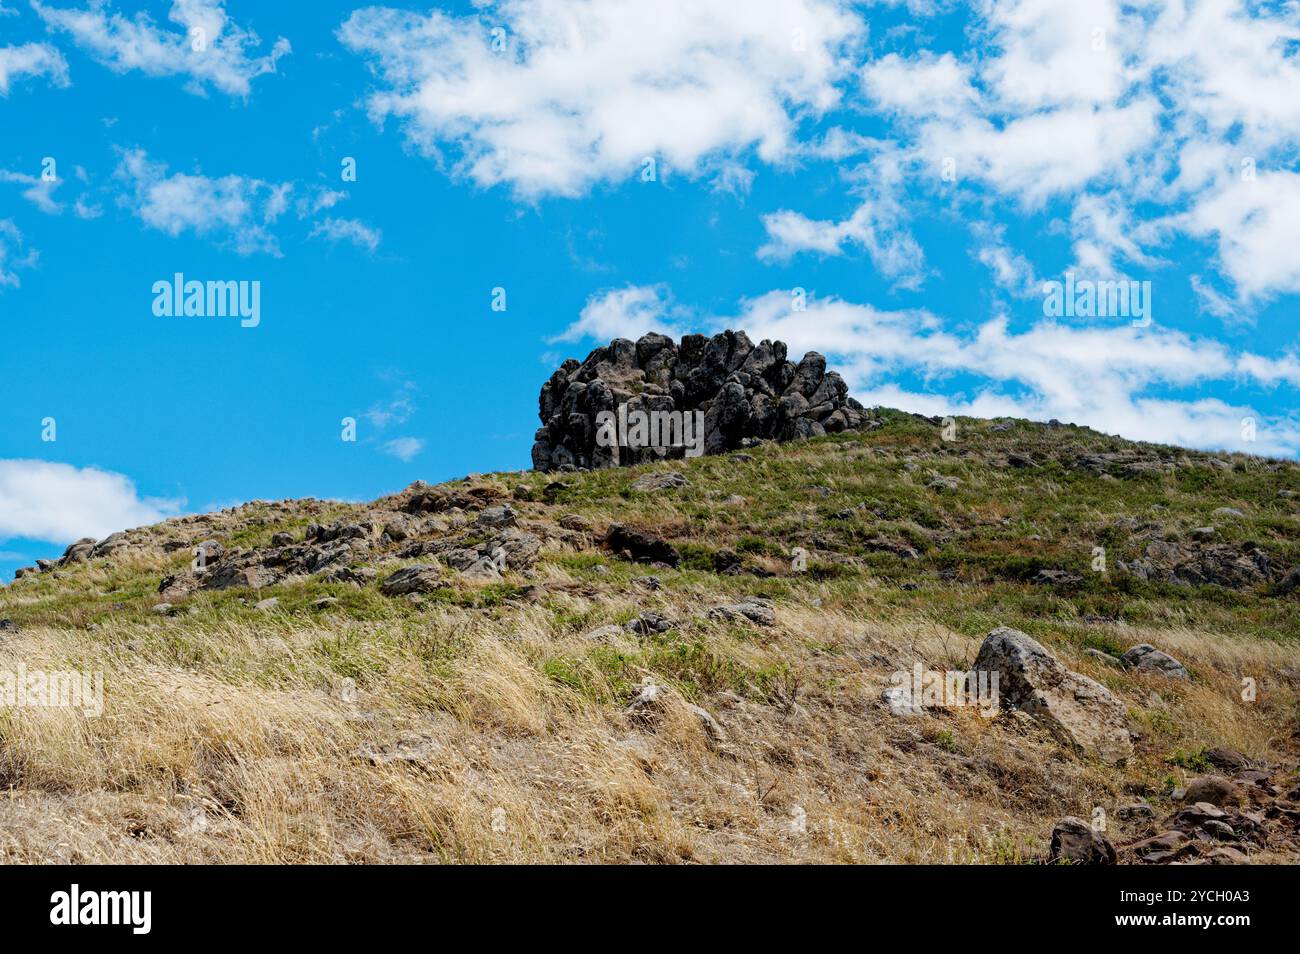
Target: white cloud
1256, 225
12, 256
31, 59
1011, 271
348, 230
404, 449
40, 500
580, 93
39, 191
206, 47
878, 225
234, 209
1114, 378
622, 313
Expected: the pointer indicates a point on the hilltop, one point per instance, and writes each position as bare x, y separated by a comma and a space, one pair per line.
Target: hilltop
682, 661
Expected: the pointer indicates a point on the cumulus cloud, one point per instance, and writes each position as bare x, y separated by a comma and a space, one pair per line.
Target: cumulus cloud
205, 46
40, 500
551, 97
31, 59
1119, 379
234, 209
878, 226
1165, 102
622, 313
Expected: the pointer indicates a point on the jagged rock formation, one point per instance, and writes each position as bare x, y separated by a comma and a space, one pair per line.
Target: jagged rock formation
745, 392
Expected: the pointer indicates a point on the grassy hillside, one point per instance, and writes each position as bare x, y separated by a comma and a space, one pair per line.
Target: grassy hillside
486, 719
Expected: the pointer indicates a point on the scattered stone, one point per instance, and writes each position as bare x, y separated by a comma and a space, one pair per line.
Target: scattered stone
667, 480
1212, 789
1077, 710
1020, 461
496, 518
270, 603
734, 500
1204, 533
902, 701
604, 634
1101, 657
162, 609
1074, 841
940, 482
1228, 512
1146, 658
647, 624
412, 579
325, 602
1228, 760
8, 626
640, 547
481, 571
755, 609
1056, 578
649, 582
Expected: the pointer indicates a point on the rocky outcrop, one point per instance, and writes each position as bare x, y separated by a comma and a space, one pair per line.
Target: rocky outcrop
743, 391
1078, 711
1227, 565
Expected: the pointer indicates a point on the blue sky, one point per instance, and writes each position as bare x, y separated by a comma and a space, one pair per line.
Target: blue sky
891, 183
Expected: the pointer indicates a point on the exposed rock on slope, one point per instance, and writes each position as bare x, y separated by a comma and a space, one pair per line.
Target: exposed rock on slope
743, 390
1079, 711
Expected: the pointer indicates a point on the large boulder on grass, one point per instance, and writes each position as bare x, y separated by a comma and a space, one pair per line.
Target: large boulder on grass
1079, 712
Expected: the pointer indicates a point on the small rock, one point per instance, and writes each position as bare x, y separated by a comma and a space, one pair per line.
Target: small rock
604, 634
1229, 760
1074, 840
324, 602
1204, 533
1212, 789
412, 579
1227, 512
482, 570
282, 539
668, 480
162, 609
648, 623
497, 517
1101, 657
270, 603
1146, 658
735, 500
649, 582
755, 609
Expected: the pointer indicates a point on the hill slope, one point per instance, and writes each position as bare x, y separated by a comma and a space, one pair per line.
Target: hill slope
492, 705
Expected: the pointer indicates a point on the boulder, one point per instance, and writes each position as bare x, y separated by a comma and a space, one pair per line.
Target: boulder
1212, 789
412, 579
1074, 841
640, 547
1146, 658
665, 480
754, 609
1078, 711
